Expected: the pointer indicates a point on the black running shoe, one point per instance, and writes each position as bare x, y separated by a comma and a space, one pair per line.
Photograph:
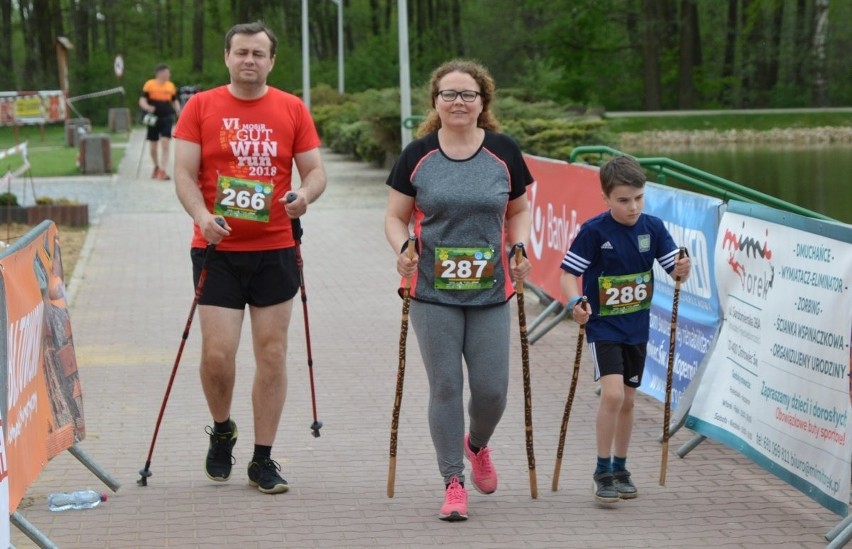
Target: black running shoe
219, 454
264, 475
605, 490
626, 488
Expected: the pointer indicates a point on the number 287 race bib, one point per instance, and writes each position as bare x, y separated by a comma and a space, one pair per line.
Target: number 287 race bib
464, 268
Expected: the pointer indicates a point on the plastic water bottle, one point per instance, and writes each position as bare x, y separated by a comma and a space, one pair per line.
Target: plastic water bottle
81, 499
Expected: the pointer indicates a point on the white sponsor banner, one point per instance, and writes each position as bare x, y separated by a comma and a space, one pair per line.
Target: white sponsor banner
777, 385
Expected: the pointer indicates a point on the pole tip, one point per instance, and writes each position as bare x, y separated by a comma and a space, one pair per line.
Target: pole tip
315, 427
143, 480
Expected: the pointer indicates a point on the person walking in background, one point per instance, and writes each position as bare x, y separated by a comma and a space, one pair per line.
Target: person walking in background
159, 98
234, 154
463, 184
614, 252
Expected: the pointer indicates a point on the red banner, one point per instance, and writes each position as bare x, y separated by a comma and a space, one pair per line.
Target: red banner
44, 399
563, 197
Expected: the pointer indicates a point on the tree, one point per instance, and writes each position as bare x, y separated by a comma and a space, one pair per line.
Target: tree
820, 85
651, 30
7, 60
198, 36
690, 54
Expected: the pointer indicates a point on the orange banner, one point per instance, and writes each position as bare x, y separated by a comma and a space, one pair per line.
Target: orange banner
44, 401
563, 197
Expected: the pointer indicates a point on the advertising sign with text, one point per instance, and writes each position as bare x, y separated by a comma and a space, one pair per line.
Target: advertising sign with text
777, 385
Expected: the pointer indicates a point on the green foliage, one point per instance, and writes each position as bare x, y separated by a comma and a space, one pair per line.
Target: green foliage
555, 138
8, 199
365, 125
572, 52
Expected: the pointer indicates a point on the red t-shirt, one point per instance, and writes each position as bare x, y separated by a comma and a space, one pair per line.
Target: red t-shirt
254, 142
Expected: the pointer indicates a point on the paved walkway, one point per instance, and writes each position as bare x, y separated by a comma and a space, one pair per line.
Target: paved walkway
130, 297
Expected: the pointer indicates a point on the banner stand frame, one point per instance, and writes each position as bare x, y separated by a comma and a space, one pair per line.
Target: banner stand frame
31, 531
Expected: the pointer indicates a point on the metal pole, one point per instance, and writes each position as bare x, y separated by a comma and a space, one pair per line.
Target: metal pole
340, 86
404, 73
306, 57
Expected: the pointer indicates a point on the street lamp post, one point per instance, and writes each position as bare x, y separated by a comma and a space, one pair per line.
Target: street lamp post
306, 57
404, 72
340, 87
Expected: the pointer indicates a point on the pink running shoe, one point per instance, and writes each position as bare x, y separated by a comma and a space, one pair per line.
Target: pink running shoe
455, 502
483, 475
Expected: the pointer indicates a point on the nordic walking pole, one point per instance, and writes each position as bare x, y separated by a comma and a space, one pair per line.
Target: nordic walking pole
564, 429
297, 236
400, 374
664, 459
145, 472
520, 252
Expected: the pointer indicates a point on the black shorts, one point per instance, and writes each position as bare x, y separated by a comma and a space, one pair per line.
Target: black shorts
619, 358
237, 279
163, 128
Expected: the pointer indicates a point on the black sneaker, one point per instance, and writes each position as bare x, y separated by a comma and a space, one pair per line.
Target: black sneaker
605, 490
264, 475
219, 456
626, 488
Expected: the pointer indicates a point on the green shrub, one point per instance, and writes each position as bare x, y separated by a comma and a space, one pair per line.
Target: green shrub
366, 125
8, 199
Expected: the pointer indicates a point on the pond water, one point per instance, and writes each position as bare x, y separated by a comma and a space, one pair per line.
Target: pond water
818, 178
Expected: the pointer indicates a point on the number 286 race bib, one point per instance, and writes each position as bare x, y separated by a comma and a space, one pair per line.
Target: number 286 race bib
620, 295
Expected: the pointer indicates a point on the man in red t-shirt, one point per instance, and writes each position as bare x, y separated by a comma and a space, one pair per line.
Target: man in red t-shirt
235, 147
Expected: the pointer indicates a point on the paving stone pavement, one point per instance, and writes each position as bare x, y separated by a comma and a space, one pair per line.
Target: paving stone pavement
130, 297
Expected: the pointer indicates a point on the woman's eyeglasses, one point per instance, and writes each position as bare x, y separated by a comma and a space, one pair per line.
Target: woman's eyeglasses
468, 96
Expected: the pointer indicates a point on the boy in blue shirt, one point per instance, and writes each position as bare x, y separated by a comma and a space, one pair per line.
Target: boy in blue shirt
614, 252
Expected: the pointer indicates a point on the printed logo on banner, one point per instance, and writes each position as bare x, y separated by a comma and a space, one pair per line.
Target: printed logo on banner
750, 257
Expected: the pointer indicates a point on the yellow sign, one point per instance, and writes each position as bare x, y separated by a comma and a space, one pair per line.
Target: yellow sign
28, 107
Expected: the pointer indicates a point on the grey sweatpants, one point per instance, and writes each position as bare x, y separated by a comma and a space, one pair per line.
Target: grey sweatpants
481, 336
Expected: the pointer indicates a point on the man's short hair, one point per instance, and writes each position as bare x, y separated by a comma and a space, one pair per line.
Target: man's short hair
160, 67
621, 170
252, 28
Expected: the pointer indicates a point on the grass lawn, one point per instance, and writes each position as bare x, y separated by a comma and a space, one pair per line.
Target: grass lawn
49, 155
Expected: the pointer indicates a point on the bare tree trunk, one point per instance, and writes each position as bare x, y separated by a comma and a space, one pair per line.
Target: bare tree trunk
727, 94
198, 36
690, 54
375, 17
820, 86
168, 29
456, 27
93, 27
7, 76
389, 5
30, 61
651, 55
180, 33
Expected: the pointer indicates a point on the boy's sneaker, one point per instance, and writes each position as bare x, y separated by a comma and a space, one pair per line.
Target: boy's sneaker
626, 488
264, 475
219, 456
605, 490
455, 502
483, 475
